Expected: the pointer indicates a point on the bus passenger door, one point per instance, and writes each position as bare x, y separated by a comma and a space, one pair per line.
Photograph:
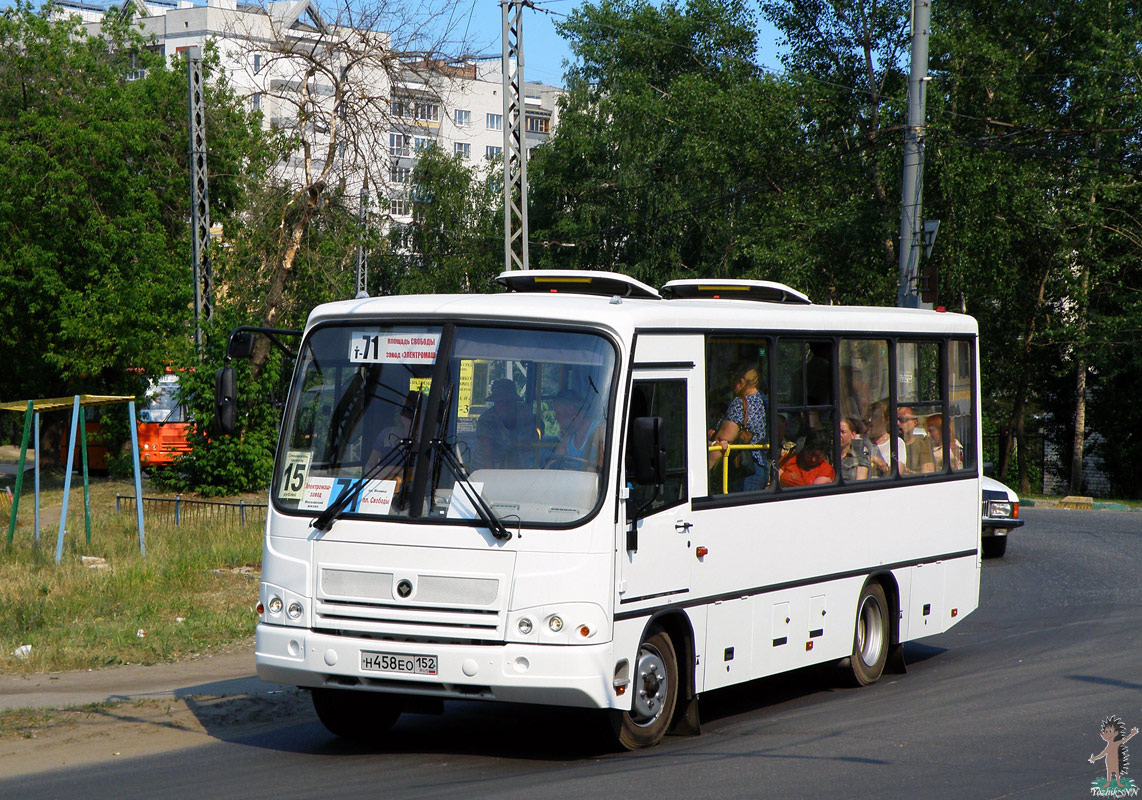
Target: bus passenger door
655, 557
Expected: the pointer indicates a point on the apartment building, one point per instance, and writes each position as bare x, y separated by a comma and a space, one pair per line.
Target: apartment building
396, 108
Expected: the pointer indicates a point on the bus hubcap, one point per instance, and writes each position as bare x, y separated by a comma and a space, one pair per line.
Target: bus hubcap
651, 687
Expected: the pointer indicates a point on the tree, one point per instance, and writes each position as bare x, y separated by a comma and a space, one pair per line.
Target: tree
847, 60
93, 235
455, 241
1036, 113
337, 88
651, 171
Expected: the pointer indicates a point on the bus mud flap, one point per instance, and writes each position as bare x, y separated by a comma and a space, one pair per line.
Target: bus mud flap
895, 664
687, 723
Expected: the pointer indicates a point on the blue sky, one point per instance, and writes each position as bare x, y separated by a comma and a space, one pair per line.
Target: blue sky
543, 49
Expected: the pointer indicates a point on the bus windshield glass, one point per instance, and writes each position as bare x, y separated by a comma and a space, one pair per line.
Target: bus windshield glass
446, 422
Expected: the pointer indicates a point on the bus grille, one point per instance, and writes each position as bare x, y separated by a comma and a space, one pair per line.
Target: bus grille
443, 607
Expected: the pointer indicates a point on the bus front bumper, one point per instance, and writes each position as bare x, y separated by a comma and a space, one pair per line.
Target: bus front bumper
565, 675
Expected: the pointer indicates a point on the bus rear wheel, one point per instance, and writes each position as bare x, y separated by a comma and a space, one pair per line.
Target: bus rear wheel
357, 716
655, 688
871, 638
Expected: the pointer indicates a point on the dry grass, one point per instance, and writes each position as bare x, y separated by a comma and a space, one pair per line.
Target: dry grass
194, 591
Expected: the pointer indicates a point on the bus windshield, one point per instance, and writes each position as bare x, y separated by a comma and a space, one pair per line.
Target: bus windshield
426, 421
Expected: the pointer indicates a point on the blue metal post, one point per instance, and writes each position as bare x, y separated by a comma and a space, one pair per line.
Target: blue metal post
67, 477
138, 478
36, 531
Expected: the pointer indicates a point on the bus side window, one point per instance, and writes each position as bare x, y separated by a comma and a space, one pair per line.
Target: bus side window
864, 392
738, 404
806, 421
666, 399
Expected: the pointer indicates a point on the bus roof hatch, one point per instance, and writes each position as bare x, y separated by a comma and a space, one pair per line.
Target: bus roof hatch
761, 291
575, 281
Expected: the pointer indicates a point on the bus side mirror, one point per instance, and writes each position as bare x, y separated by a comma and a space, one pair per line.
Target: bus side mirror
225, 397
646, 455
241, 345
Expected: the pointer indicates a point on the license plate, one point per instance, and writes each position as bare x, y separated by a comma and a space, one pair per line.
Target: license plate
398, 662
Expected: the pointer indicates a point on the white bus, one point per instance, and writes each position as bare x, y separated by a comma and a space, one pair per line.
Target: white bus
535, 496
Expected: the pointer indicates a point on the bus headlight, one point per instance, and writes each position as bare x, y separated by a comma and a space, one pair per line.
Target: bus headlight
294, 610
275, 605
566, 623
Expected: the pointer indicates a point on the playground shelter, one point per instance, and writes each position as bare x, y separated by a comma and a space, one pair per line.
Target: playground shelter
32, 410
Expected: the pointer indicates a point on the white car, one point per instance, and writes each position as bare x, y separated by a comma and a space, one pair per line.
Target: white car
1000, 515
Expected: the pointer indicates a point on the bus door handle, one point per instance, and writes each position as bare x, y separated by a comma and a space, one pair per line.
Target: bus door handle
682, 526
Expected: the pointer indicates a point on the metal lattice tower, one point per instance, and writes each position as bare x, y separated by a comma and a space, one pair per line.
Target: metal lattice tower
515, 152
199, 199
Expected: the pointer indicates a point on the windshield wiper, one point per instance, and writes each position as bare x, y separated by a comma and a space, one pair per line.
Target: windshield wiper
326, 518
486, 512
402, 450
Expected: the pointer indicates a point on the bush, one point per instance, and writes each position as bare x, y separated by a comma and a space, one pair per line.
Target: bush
220, 465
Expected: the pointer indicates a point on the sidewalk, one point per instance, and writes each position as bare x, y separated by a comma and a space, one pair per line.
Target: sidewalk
222, 675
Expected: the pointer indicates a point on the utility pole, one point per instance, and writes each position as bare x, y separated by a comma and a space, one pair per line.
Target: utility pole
515, 150
912, 186
199, 198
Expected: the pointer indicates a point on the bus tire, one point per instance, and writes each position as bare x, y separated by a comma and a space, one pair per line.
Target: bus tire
655, 694
872, 636
357, 716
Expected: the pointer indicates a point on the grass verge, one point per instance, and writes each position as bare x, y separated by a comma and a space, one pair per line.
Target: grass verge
193, 593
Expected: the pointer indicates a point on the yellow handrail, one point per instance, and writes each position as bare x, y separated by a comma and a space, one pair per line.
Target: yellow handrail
726, 459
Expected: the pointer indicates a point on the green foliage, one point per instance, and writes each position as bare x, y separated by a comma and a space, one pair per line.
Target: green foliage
455, 241
93, 216
1032, 166
700, 165
219, 465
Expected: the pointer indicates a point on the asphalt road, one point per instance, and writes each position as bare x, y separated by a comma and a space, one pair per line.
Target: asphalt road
1007, 704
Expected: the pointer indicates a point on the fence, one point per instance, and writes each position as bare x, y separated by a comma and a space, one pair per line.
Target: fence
181, 509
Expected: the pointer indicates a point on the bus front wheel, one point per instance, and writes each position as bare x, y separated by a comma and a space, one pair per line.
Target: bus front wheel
357, 716
655, 687
872, 636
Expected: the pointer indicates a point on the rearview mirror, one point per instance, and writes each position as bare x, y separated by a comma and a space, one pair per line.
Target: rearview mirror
646, 455
241, 345
225, 397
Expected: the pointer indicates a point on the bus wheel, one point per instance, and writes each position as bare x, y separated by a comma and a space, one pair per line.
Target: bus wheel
871, 639
655, 687
357, 716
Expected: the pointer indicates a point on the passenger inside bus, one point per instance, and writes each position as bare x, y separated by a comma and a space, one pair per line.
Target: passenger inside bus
745, 421
880, 439
580, 433
917, 447
809, 465
935, 425
506, 434
856, 460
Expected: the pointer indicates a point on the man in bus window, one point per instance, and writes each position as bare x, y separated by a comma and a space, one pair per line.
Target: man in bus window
506, 433
880, 442
745, 419
918, 449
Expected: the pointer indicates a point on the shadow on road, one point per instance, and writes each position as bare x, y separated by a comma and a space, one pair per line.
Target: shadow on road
282, 719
